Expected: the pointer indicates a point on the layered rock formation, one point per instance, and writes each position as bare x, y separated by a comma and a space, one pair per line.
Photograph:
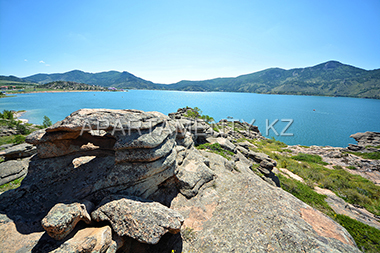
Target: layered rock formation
132, 181
368, 141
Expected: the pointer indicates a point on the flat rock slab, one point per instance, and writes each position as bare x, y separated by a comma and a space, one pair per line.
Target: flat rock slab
143, 220
12, 170
145, 154
149, 138
62, 218
108, 120
18, 151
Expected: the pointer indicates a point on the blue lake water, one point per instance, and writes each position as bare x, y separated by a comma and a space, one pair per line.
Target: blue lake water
316, 120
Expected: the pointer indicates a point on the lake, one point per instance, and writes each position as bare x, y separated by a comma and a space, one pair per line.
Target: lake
315, 120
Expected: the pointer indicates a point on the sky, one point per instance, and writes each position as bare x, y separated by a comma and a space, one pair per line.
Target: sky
167, 41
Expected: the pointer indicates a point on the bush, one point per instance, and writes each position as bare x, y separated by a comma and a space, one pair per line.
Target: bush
7, 115
22, 129
47, 122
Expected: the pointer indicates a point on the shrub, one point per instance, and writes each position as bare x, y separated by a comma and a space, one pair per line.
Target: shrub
47, 122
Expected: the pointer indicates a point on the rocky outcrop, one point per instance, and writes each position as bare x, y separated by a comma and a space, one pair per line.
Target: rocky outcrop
18, 151
193, 174
12, 170
145, 221
366, 139
154, 192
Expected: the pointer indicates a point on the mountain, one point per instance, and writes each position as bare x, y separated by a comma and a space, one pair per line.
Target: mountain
105, 79
327, 79
331, 78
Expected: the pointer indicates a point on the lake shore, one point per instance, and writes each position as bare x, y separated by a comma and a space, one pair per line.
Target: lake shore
54, 91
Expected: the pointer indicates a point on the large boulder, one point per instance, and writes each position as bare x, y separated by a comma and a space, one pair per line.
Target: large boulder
145, 221
62, 218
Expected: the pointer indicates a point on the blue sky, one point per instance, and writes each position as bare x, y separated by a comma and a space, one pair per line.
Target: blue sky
169, 41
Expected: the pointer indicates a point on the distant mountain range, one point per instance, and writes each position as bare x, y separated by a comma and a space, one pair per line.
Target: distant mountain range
327, 79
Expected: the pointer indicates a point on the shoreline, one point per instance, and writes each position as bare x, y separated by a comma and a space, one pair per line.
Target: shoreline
55, 91
18, 116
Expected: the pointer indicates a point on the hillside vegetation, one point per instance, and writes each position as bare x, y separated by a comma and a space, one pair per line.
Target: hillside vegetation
327, 79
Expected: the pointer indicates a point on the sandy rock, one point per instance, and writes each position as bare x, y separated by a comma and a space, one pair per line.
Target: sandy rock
143, 220
62, 218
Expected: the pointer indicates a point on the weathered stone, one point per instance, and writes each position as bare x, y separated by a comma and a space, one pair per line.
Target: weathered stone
192, 174
257, 157
367, 138
96, 240
268, 164
242, 150
143, 220
145, 154
12, 170
223, 142
264, 218
149, 138
41, 136
108, 120
84, 143
62, 218
127, 175
18, 151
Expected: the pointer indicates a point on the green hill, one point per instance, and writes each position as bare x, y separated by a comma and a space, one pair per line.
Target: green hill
327, 79
105, 79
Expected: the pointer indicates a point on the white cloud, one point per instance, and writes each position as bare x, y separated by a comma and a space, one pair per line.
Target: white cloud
25, 60
42, 62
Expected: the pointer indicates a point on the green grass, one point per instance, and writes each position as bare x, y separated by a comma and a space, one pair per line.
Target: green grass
352, 167
306, 194
11, 185
366, 237
216, 148
309, 158
370, 155
352, 188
